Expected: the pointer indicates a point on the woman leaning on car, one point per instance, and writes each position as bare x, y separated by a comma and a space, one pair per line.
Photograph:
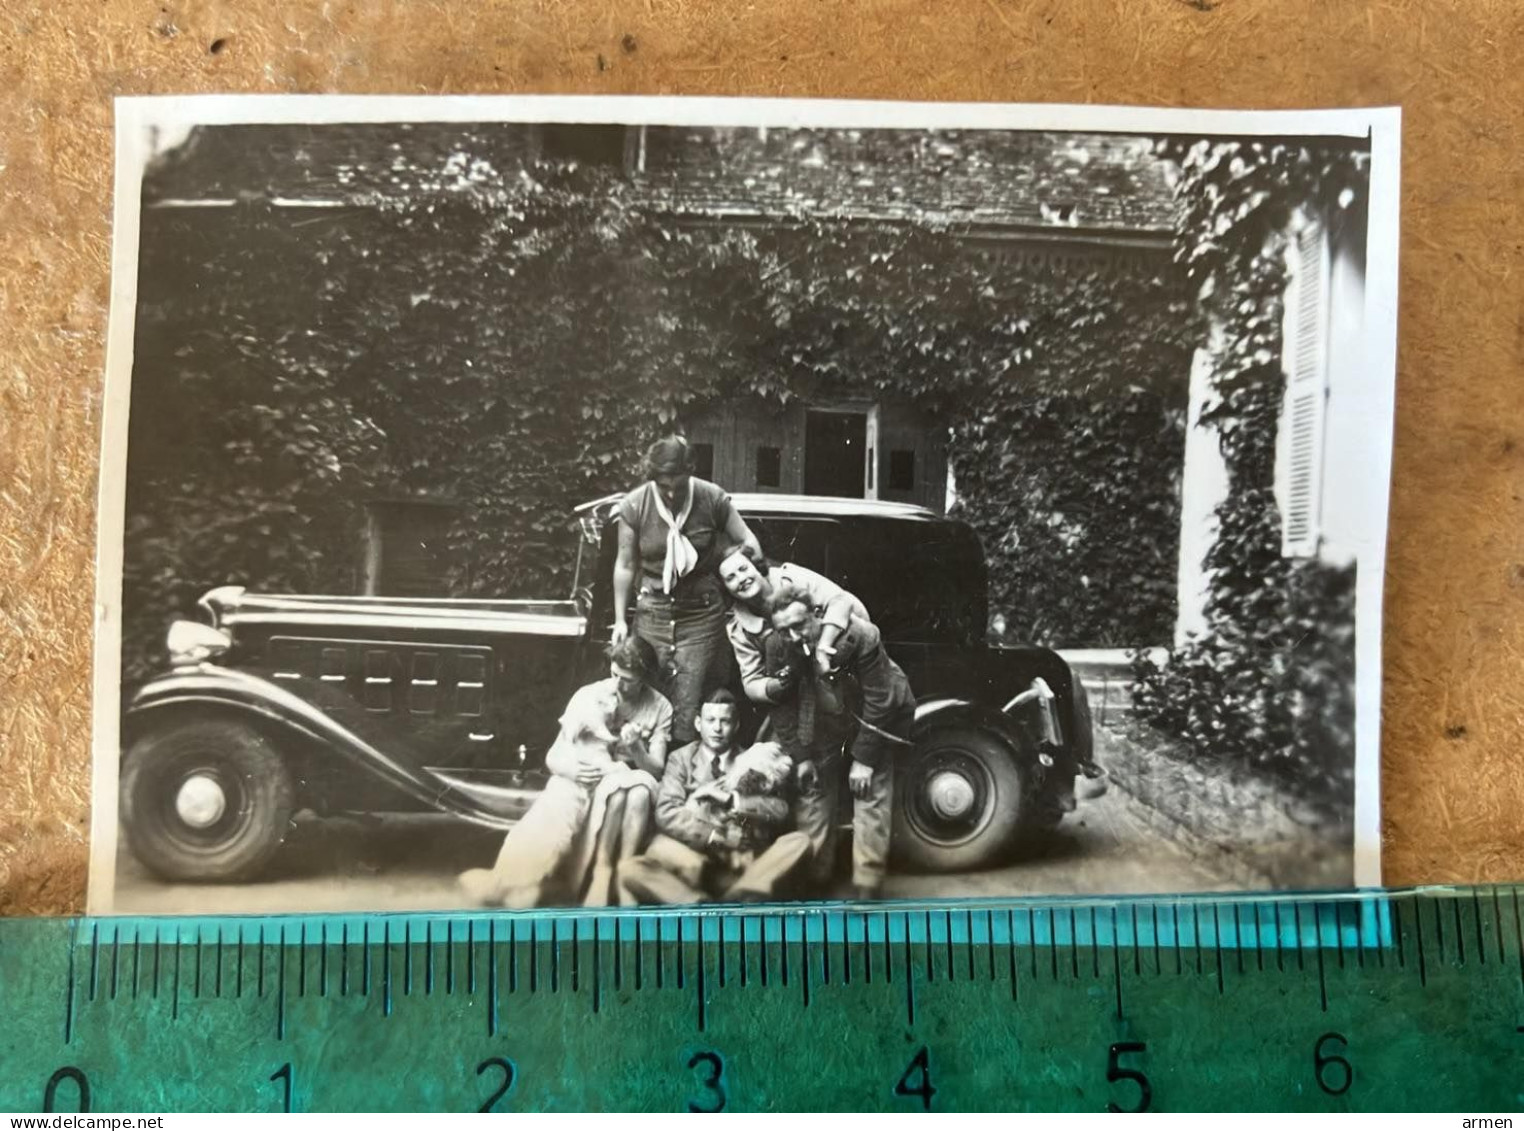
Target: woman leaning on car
671, 532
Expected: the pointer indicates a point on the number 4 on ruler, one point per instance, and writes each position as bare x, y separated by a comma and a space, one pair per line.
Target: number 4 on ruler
920, 1063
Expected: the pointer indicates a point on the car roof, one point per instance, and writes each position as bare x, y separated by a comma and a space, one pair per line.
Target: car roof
824, 506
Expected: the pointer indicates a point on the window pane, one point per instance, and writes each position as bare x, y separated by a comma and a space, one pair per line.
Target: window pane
414, 548
583, 144
805, 542
769, 467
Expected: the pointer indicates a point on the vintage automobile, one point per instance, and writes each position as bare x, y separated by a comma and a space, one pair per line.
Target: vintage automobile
276, 704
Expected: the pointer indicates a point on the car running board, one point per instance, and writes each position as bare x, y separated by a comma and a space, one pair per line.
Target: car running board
497, 800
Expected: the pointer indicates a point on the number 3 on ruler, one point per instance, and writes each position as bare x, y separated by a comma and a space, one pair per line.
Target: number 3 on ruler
714, 1081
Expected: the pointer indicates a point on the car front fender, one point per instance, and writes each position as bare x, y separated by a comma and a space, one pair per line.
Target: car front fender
209, 686
1037, 681
934, 714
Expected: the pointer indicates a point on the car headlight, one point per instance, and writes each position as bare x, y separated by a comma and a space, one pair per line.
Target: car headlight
1039, 693
191, 642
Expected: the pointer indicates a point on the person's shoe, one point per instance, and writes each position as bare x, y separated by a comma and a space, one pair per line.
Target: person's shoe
480, 887
637, 891
866, 893
625, 896
648, 896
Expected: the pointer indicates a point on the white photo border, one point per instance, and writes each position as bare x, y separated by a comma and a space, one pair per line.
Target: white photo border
138, 117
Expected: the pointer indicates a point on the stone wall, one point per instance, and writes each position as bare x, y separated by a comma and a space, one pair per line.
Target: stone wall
1251, 830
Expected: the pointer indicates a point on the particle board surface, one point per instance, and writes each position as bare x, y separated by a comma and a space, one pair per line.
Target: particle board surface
1453, 736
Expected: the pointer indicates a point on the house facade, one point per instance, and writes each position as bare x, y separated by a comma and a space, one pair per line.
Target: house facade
1062, 203
1323, 360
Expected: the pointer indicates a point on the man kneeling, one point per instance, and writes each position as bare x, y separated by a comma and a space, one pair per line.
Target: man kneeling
721, 816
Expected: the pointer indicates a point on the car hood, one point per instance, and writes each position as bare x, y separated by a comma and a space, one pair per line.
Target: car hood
231, 607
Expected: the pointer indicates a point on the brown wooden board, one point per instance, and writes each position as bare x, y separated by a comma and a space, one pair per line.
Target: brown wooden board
1453, 762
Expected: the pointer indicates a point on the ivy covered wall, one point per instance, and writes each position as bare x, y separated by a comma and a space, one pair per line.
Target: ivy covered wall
513, 342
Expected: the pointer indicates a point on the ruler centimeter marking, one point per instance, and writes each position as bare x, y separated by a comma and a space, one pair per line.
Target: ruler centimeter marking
932, 950
69, 991
832, 931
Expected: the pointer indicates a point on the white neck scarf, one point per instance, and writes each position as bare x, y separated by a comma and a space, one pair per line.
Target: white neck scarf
681, 556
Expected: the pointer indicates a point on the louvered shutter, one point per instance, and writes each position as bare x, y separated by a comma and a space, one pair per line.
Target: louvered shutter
1306, 365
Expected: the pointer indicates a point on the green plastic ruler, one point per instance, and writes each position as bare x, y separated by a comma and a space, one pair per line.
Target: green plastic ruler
1376, 1000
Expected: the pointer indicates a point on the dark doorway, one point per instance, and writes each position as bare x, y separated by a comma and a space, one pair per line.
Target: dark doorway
408, 549
835, 444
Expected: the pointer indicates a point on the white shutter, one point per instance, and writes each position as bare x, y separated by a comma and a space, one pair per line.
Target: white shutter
1306, 367
870, 457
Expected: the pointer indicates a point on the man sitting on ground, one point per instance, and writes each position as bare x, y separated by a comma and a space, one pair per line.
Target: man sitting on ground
717, 838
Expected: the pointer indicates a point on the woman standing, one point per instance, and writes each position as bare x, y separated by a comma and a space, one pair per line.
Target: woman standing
671, 529
596, 808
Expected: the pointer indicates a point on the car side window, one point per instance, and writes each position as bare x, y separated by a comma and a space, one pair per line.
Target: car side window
803, 541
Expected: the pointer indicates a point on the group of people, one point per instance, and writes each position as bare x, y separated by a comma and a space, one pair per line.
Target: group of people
651, 797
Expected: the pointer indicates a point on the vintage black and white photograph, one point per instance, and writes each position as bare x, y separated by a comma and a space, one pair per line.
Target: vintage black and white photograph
516, 502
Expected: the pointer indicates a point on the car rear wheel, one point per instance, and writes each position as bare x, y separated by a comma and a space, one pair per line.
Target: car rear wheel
959, 801
205, 800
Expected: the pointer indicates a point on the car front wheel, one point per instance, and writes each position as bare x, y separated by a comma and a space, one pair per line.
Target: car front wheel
959, 801
205, 800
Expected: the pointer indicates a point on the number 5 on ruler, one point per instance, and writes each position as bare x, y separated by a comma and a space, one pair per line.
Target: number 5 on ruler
1115, 1071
